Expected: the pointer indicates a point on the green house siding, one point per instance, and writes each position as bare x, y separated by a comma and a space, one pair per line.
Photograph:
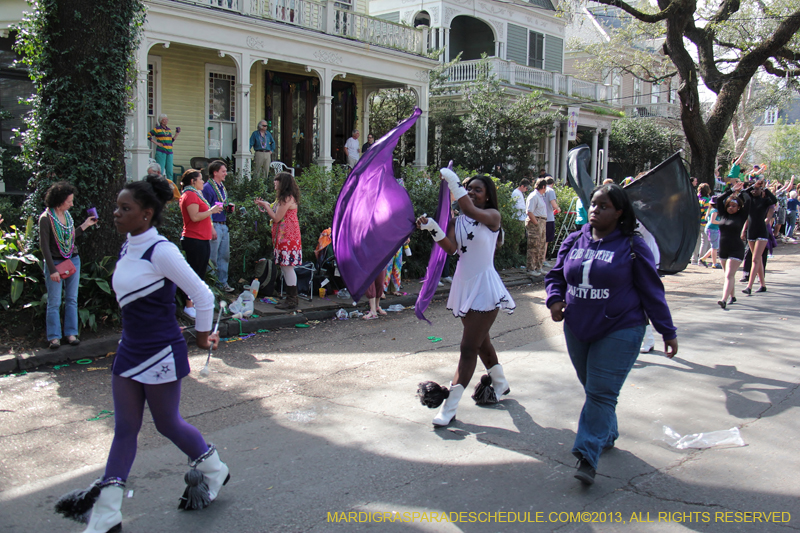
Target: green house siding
553, 54
394, 16
517, 49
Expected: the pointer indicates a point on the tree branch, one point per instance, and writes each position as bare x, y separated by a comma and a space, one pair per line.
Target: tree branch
779, 72
644, 17
728, 8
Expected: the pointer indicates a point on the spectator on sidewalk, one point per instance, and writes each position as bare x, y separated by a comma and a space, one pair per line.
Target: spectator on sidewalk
215, 193
552, 210
536, 229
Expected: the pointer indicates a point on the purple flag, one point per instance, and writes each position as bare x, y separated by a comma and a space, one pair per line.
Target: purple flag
373, 214
438, 256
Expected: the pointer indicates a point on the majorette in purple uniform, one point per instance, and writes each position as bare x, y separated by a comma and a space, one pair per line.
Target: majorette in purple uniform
605, 286
151, 361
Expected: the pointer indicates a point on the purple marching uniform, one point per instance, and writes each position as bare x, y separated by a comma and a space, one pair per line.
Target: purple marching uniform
152, 349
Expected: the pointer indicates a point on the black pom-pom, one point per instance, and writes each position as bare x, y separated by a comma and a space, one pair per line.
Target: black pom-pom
196, 494
484, 392
77, 505
431, 394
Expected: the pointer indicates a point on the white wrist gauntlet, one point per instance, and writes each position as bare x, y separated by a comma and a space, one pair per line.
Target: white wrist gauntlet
433, 227
454, 183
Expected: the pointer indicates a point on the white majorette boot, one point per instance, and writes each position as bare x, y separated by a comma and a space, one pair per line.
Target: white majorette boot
499, 381
447, 413
107, 510
99, 505
203, 481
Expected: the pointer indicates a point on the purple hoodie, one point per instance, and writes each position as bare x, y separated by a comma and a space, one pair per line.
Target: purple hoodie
605, 289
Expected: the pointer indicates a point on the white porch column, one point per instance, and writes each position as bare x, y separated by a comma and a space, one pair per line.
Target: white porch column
138, 146
595, 134
421, 132
446, 44
243, 156
551, 152
564, 151
604, 172
325, 103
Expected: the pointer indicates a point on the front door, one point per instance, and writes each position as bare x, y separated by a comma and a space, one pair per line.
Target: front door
292, 117
344, 118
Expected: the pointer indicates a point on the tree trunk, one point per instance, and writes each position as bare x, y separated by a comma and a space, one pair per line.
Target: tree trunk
86, 49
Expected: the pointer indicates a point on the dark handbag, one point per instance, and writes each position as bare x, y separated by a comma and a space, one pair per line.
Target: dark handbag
65, 268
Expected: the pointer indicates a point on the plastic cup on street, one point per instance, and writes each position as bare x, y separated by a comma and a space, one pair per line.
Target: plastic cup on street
322, 293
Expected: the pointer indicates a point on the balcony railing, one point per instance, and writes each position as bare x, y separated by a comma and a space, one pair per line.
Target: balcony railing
660, 110
326, 17
516, 74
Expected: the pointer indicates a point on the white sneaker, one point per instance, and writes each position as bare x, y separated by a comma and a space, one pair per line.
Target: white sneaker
535, 273
190, 311
441, 284
547, 264
448, 279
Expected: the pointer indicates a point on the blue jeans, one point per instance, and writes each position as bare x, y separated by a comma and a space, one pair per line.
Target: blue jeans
602, 367
791, 219
165, 160
221, 252
70, 286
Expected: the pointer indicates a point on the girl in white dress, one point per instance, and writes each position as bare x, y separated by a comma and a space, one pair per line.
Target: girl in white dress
477, 292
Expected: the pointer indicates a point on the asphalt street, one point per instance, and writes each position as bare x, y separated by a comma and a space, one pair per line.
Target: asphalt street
323, 432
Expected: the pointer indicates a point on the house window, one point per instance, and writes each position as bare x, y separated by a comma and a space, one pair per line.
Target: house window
771, 116
221, 110
535, 50
637, 91
655, 93
222, 96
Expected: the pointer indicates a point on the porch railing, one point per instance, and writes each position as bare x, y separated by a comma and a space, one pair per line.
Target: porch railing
516, 74
659, 110
326, 17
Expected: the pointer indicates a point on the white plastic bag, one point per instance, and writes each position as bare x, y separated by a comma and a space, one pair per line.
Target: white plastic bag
341, 314
395, 308
727, 437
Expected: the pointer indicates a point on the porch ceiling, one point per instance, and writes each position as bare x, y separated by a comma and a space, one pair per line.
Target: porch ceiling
281, 44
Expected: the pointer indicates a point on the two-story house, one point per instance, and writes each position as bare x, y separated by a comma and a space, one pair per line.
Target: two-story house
525, 41
217, 67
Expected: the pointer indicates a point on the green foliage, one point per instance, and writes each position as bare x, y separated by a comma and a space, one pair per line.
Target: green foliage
81, 60
18, 264
96, 301
783, 151
387, 108
638, 144
565, 196
488, 126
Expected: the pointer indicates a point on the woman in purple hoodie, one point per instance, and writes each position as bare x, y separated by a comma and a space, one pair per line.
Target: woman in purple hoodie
605, 287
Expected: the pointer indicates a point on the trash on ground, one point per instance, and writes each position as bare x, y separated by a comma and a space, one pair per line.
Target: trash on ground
302, 326
395, 308
727, 437
356, 314
83, 362
341, 314
269, 300
343, 294
101, 415
435, 339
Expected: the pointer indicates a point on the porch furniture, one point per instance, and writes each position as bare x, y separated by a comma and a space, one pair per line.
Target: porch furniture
277, 166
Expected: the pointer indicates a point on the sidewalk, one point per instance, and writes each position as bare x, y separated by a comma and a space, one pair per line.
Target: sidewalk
267, 318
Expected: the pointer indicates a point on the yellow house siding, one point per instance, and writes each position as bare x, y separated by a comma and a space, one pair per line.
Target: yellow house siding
183, 92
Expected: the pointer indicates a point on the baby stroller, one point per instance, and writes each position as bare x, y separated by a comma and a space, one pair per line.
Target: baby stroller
326, 263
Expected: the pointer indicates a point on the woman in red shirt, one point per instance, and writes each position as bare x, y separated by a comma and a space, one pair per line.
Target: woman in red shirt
196, 235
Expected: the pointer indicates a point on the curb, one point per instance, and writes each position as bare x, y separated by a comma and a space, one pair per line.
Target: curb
90, 349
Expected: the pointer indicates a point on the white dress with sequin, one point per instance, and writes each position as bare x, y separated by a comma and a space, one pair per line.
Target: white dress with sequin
476, 284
